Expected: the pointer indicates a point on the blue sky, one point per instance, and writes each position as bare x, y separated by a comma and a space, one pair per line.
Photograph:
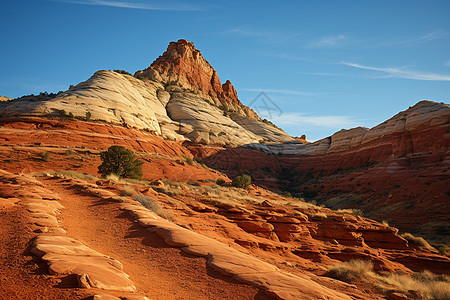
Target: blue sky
326, 65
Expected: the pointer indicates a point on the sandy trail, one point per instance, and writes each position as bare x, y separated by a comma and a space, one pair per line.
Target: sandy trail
158, 271
23, 276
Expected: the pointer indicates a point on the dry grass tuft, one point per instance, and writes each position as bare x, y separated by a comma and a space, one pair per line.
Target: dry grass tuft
113, 177
352, 211
416, 240
76, 175
351, 270
127, 191
154, 206
429, 285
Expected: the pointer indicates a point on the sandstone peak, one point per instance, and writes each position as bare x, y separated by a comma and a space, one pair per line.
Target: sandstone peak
183, 64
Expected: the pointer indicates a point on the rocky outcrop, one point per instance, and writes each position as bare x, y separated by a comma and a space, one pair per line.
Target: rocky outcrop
185, 66
2, 98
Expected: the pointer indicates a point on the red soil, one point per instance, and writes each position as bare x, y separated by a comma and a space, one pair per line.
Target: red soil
158, 271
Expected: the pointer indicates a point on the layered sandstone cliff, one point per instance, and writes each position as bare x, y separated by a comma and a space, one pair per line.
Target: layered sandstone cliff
396, 171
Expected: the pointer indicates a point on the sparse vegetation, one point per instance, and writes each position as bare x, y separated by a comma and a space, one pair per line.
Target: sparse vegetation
76, 175
242, 181
429, 285
88, 116
269, 123
352, 211
45, 156
198, 160
154, 206
189, 160
120, 161
127, 191
220, 181
351, 270
123, 72
419, 241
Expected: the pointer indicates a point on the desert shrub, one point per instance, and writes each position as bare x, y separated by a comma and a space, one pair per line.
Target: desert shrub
127, 191
443, 249
350, 270
120, 161
45, 156
88, 115
154, 206
242, 181
198, 160
220, 181
188, 160
416, 240
62, 113
122, 72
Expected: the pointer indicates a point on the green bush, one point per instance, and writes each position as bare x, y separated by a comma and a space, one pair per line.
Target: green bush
220, 181
242, 181
120, 161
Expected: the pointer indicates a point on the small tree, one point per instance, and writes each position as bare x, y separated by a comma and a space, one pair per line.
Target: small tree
242, 181
120, 161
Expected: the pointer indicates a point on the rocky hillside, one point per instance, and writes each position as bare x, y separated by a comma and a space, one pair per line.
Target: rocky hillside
179, 97
220, 242
397, 171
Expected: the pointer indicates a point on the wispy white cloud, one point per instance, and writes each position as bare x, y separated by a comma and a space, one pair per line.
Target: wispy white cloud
175, 6
402, 73
328, 41
304, 120
280, 91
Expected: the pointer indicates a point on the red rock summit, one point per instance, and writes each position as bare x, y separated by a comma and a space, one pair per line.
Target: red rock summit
185, 65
